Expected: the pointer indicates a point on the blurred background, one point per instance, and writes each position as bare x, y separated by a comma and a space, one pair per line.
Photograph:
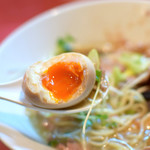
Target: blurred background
13, 13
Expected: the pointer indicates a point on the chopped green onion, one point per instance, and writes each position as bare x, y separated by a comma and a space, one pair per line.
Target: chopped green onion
53, 143
98, 75
94, 57
111, 125
118, 76
102, 117
135, 62
64, 44
69, 38
82, 113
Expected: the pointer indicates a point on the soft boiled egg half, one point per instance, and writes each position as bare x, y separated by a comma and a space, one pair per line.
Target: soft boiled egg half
59, 82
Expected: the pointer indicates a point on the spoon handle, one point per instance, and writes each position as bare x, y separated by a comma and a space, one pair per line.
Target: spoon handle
16, 102
31, 106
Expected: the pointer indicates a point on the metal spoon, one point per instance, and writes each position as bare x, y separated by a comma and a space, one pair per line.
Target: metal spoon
12, 92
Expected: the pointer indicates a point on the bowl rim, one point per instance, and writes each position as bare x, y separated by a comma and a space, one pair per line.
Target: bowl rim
50, 13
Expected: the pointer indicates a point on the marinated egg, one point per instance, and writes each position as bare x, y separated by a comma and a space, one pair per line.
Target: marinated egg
59, 82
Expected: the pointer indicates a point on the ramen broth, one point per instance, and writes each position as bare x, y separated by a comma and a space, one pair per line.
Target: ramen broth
121, 121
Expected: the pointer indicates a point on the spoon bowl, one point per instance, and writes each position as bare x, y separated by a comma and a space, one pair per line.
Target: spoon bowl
19, 98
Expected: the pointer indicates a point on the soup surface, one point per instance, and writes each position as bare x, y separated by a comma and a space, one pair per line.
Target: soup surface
122, 120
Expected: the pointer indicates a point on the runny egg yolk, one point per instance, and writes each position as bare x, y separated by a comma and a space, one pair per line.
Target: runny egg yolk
63, 79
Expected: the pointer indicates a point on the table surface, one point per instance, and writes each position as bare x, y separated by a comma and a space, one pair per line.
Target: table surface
15, 12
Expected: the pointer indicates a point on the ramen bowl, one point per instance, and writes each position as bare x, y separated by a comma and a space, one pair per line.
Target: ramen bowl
90, 23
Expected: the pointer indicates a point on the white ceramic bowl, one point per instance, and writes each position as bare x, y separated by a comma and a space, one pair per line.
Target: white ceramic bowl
89, 22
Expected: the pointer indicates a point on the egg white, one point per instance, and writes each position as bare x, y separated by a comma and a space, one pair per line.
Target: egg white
42, 97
